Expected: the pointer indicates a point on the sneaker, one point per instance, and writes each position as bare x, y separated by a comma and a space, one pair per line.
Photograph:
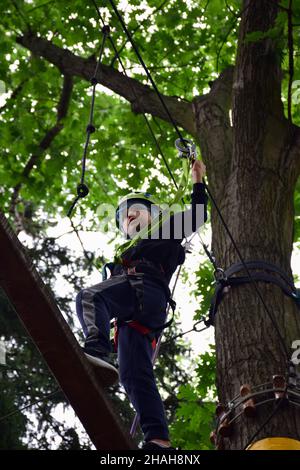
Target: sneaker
105, 372
101, 354
155, 447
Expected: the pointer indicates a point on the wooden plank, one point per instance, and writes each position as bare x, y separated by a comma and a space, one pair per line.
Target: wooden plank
44, 322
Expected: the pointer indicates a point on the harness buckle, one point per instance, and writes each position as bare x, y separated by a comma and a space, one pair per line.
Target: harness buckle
219, 275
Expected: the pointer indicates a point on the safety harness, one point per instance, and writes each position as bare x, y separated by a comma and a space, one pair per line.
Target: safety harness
225, 280
136, 280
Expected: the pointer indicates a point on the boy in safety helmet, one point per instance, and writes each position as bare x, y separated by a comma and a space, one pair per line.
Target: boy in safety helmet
136, 295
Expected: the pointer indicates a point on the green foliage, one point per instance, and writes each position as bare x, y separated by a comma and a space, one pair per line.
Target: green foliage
10, 430
166, 39
166, 35
28, 380
185, 44
195, 414
204, 289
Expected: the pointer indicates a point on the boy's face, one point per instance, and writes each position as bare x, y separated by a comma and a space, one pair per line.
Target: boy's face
136, 219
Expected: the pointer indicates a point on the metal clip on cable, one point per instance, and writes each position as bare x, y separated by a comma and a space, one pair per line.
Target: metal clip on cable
188, 151
219, 275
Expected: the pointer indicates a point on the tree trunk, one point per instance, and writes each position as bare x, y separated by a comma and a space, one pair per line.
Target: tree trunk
252, 167
254, 189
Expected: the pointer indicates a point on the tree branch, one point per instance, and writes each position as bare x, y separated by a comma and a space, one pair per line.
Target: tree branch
141, 97
14, 95
45, 143
214, 129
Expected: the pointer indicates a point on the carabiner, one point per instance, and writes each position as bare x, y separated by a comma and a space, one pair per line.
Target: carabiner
187, 151
219, 275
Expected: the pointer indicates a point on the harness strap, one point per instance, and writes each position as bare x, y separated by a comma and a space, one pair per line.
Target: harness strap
130, 266
144, 331
137, 285
133, 263
135, 280
150, 333
285, 283
109, 266
259, 264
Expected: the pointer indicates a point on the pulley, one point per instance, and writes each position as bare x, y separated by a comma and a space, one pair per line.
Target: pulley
186, 149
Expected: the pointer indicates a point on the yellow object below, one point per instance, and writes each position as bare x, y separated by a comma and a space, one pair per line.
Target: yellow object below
275, 443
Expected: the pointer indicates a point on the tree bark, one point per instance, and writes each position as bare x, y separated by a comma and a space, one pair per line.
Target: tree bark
257, 204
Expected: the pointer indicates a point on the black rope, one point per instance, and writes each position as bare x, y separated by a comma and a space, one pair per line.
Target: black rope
147, 71
253, 282
160, 151
210, 256
164, 158
282, 342
82, 188
89, 257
